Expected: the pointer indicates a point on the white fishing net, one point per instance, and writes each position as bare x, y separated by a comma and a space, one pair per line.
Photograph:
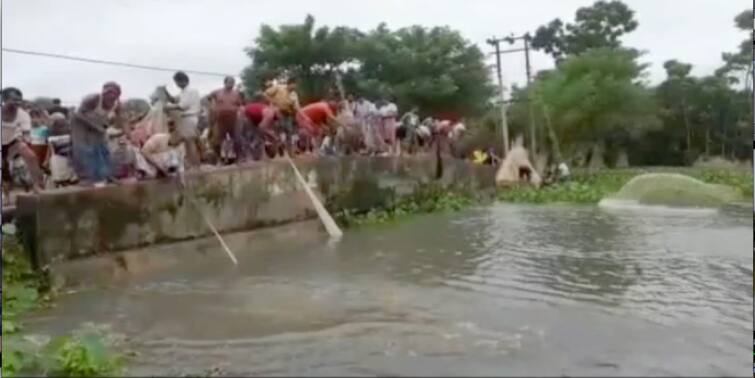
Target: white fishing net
674, 190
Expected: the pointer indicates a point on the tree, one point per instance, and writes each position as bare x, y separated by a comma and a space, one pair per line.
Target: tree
736, 64
724, 112
673, 95
311, 55
596, 100
435, 69
598, 26
706, 113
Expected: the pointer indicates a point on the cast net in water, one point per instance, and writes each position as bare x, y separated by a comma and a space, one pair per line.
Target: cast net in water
673, 190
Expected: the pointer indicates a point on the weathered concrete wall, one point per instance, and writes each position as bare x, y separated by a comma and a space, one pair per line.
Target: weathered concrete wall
71, 223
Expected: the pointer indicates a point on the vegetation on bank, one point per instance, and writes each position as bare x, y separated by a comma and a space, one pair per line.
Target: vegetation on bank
583, 188
427, 198
84, 353
589, 188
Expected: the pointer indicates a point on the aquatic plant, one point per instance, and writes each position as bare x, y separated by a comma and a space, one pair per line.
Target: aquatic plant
85, 353
426, 198
741, 180
581, 189
21, 286
590, 187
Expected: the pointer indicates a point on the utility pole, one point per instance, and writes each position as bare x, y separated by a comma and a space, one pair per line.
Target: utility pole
504, 124
526, 38
533, 143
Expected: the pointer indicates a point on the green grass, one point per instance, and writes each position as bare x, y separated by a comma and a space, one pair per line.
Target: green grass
589, 188
85, 353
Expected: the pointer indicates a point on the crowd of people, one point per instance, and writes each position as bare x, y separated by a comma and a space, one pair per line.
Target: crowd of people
100, 142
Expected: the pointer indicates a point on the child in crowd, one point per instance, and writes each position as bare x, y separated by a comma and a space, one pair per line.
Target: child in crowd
38, 135
59, 152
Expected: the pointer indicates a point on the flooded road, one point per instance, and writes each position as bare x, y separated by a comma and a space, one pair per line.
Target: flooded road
500, 290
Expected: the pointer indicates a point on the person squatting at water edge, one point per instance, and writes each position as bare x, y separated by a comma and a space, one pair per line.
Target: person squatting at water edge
96, 144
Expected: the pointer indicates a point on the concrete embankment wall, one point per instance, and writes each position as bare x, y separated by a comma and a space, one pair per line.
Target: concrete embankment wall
75, 223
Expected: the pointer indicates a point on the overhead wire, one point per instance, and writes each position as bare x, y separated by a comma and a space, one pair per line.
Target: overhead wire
111, 63
108, 62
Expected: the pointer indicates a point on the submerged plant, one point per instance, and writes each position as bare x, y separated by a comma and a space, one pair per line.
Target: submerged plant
85, 353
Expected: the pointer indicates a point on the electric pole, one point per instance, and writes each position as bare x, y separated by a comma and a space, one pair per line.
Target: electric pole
526, 38
533, 143
504, 125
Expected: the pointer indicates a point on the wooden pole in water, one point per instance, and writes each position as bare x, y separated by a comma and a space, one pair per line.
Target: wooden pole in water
330, 225
207, 221
217, 235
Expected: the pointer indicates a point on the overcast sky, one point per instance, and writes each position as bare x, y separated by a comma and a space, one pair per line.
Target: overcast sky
211, 35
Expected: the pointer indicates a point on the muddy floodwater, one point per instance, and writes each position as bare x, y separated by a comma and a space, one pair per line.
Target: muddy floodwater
499, 290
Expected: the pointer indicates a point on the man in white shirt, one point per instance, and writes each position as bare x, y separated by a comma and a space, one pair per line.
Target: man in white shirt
388, 114
361, 108
14, 122
366, 114
188, 103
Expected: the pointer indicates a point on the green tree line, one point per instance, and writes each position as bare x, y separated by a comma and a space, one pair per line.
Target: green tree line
435, 69
595, 105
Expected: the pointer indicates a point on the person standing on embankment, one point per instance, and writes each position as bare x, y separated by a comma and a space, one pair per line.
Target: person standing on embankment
367, 114
388, 113
189, 103
91, 156
286, 102
406, 133
225, 104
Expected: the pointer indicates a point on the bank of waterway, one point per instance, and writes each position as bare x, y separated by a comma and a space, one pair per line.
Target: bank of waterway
492, 289
590, 187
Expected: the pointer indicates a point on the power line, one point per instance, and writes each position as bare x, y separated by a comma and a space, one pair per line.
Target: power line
111, 63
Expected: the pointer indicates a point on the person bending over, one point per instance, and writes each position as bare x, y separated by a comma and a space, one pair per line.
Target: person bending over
286, 102
319, 120
260, 118
95, 115
164, 153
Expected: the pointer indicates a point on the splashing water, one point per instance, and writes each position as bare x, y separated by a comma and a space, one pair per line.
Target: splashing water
671, 190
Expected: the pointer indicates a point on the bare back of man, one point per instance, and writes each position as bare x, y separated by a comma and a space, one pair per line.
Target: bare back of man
226, 103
